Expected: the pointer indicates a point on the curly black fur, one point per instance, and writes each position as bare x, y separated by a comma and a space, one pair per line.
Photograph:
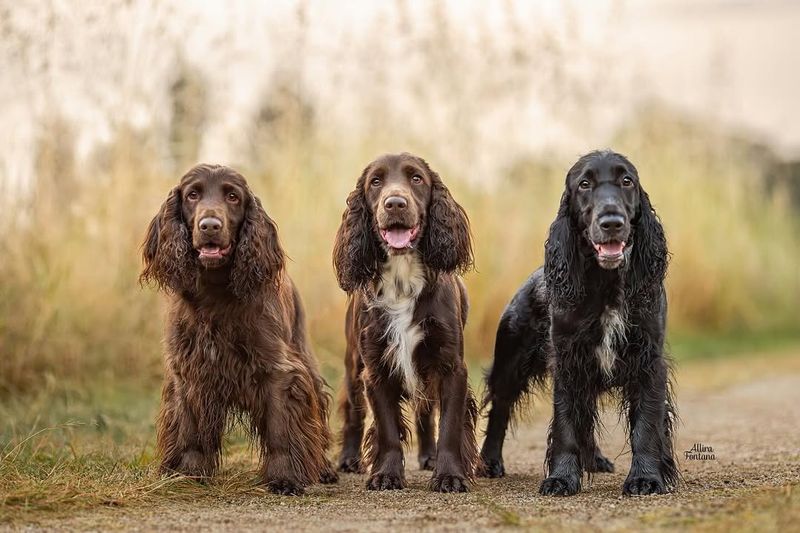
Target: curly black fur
558, 320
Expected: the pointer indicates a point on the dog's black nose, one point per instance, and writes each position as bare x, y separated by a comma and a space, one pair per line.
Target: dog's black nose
210, 225
612, 222
395, 203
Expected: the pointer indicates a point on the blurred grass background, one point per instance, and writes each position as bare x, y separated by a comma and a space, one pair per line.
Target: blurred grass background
71, 309
80, 349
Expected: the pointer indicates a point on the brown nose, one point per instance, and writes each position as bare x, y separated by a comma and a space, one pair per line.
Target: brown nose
210, 225
395, 203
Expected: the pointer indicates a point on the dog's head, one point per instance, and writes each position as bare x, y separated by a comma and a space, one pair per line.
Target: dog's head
211, 221
604, 198
605, 213
400, 206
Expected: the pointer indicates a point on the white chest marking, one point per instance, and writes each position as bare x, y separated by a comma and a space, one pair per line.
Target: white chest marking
613, 324
402, 281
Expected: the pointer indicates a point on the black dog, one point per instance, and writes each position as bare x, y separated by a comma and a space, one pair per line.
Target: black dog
596, 316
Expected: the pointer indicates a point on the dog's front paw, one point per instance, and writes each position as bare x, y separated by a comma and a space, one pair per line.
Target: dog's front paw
427, 462
382, 481
285, 487
643, 485
602, 464
448, 483
195, 465
327, 476
558, 486
350, 464
492, 468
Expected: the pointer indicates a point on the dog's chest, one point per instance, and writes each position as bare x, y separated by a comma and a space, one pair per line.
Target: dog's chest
612, 325
402, 281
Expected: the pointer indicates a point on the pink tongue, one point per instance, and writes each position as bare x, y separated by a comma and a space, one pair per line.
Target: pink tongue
398, 238
610, 248
209, 250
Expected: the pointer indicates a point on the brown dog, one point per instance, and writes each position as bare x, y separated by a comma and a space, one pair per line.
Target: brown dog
402, 242
236, 339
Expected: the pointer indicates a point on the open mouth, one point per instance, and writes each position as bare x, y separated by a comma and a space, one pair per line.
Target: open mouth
399, 238
213, 251
609, 251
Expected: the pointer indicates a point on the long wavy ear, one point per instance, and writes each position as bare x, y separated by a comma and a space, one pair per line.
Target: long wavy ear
447, 244
649, 257
563, 262
167, 249
357, 256
259, 256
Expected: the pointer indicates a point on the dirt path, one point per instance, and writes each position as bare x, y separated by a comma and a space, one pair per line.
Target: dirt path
747, 411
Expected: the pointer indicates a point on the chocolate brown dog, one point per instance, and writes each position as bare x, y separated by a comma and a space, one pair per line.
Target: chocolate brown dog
236, 336
401, 245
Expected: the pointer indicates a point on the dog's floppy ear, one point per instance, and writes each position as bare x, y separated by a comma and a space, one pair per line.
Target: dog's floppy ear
447, 244
357, 255
649, 257
563, 262
259, 256
167, 249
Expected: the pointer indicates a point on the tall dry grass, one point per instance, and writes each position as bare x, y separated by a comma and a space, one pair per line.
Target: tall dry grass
71, 307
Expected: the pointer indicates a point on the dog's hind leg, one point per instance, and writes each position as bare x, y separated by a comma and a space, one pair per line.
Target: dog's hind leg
518, 363
426, 436
601, 463
352, 407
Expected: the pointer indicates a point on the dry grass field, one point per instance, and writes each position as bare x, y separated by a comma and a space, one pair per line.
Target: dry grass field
486, 104
84, 461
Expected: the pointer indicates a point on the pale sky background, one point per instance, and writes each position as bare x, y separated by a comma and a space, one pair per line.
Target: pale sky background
733, 62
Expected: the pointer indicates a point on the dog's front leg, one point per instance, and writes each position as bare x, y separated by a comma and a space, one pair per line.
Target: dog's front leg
571, 447
426, 436
288, 418
353, 410
653, 469
190, 429
384, 443
457, 449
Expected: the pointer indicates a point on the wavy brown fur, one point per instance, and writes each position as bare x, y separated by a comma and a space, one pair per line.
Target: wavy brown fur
236, 337
434, 310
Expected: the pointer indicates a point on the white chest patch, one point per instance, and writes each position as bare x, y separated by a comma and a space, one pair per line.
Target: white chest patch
402, 281
613, 323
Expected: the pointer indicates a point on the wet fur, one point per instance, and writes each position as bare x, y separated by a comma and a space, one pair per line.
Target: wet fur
595, 331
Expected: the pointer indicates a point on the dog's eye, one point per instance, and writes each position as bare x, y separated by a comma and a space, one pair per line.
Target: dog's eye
193, 195
232, 198
416, 178
627, 182
376, 181
584, 185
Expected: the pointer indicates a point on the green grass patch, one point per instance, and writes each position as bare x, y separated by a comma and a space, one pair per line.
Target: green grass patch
74, 448
686, 347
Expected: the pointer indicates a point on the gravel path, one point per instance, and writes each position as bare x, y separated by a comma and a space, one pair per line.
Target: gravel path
747, 410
